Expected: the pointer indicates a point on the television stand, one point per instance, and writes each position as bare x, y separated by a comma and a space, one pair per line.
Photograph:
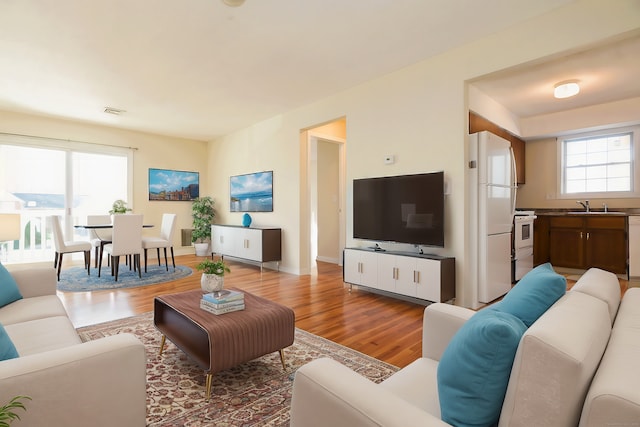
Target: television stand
421, 276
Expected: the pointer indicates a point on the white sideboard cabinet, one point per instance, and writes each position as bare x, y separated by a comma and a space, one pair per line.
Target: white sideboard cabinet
426, 277
247, 243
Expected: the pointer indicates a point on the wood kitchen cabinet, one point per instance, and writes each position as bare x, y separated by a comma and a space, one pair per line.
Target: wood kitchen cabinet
585, 241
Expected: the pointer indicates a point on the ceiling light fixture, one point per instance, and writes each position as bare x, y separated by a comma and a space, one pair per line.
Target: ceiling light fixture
233, 3
566, 89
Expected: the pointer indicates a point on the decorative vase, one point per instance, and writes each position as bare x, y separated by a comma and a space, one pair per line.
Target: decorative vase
211, 283
246, 220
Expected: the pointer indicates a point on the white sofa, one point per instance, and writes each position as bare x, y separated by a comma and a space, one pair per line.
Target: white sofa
577, 365
97, 383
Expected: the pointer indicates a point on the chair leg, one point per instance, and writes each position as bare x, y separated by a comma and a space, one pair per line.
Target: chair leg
96, 255
87, 261
55, 260
100, 262
145, 260
59, 258
158, 253
173, 260
166, 262
115, 266
136, 257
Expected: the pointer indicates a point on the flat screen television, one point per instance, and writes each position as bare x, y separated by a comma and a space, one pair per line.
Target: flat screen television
400, 209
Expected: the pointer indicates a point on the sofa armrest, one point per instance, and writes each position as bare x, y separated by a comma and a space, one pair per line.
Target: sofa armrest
326, 393
36, 282
97, 383
440, 323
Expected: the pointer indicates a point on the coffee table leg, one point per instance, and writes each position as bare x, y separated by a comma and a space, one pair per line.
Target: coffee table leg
207, 385
164, 339
281, 351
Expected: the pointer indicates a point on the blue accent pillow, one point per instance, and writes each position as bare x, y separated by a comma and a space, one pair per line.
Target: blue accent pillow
474, 370
534, 294
7, 349
9, 291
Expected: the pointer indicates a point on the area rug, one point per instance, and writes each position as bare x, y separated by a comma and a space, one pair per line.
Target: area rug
76, 279
257, 393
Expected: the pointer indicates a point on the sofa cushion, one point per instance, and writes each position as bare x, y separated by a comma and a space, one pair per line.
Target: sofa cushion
534, 294
603, 285
416, 383
37, 336
9, 291
31, 309
7, 349
474, 370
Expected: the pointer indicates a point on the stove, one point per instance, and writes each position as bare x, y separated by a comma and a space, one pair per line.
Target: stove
522, 244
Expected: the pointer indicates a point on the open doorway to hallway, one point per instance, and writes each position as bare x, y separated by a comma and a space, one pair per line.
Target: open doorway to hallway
325, 216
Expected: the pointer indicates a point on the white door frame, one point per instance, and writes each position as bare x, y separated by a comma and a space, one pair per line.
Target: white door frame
312, 187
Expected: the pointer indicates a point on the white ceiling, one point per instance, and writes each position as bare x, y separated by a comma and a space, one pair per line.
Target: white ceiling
199, 69
606, 73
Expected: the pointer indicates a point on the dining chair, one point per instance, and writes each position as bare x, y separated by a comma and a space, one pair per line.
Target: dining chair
99, 238
165, 240
126, 240
68, 246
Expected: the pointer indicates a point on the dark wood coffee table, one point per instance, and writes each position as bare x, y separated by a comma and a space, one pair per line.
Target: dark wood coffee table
219, 342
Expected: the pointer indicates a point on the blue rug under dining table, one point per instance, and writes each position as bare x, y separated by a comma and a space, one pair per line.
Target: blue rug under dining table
75, 279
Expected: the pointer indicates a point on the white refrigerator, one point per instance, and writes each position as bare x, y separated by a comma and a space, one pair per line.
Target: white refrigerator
492, 206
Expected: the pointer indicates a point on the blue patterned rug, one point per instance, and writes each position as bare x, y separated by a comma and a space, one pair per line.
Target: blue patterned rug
75, 279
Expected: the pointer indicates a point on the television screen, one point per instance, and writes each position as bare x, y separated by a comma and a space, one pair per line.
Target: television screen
401, 209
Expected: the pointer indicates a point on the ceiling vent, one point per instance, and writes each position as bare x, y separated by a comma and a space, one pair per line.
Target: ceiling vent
114, 111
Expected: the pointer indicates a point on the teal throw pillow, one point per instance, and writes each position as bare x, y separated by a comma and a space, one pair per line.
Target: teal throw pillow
474, 370
9, 291
7, 349
534, 294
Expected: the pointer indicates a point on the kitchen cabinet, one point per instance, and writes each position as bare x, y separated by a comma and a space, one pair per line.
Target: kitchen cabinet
252, 244
585, 241
540, 240
427, 277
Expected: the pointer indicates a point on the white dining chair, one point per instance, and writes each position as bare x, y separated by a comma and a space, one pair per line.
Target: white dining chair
126, 240
101, 237
63, 246
165, 240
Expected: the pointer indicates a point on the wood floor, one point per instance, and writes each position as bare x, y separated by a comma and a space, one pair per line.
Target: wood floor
382, 327
385, 328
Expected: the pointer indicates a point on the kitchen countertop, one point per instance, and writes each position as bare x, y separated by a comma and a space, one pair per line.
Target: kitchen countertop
572, 212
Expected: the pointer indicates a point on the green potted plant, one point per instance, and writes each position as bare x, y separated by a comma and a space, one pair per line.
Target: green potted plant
119, 207
203, 214
212, 279
7, 412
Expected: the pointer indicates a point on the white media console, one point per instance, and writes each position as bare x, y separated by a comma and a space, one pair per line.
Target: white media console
247, 243
426, 277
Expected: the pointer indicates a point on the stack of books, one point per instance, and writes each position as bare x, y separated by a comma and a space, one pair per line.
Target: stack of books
222, 302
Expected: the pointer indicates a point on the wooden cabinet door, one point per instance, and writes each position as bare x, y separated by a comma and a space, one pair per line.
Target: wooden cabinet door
606, 244
541, 240
566, 242
428, 279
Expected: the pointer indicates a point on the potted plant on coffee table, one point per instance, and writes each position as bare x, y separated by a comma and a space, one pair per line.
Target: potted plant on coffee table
8, 413
203, 215
212, 279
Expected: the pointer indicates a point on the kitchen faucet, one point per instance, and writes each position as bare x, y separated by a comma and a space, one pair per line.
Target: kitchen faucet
584, 204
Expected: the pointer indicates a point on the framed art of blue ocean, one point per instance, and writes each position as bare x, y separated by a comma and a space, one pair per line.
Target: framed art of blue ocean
251, 192
172, 185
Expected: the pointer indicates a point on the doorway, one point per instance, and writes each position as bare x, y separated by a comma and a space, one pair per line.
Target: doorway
327, 194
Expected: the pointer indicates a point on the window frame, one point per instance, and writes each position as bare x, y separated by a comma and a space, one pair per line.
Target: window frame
635, 164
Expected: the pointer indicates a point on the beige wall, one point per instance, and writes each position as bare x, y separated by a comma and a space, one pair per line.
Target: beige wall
153, 151
328, 202
418, 114
540, 191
